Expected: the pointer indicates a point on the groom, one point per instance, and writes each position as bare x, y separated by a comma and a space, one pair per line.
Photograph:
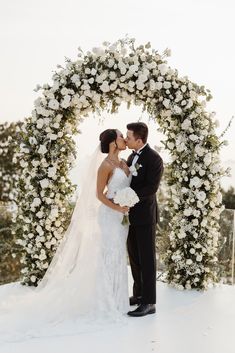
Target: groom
147, 167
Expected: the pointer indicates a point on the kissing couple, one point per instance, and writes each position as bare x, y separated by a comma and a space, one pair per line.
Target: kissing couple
88, 275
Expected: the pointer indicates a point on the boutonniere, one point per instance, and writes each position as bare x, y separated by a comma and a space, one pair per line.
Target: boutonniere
134, 169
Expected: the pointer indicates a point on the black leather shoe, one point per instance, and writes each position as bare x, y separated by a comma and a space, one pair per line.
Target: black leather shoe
135, 300
142, 310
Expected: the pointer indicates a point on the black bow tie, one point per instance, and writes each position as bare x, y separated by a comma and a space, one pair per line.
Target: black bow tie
134, 153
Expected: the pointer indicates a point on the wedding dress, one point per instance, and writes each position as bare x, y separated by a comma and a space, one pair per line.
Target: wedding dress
86, 283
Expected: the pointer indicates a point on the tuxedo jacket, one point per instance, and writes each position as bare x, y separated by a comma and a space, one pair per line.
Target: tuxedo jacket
146, 184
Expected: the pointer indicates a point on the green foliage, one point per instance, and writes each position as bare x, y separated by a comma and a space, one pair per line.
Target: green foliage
225, 253
10, 253
9, 171
229, 198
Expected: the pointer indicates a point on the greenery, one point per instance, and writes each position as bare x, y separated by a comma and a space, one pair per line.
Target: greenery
10, 253
9, 171
229, 198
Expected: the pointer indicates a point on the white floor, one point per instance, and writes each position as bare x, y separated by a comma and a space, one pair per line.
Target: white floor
185, 322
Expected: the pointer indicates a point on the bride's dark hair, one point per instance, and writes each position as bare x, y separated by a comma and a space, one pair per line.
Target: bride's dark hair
106, 137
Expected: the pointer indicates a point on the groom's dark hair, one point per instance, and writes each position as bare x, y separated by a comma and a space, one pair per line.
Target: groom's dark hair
140, 130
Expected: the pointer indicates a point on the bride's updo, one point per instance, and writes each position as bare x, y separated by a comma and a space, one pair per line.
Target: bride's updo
106, 137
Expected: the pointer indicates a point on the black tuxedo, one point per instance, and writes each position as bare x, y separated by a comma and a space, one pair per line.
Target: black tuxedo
143, 218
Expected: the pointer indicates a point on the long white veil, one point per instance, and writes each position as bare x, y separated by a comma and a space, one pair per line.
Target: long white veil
75, 288
81, 227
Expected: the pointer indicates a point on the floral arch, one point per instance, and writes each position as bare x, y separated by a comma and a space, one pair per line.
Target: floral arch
103, 79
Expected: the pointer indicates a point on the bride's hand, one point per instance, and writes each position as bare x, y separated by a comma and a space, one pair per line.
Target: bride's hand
123, 209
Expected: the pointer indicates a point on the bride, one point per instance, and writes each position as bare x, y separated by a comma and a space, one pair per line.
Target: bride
86, 281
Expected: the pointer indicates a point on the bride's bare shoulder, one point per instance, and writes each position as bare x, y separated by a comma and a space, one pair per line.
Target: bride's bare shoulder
105, 166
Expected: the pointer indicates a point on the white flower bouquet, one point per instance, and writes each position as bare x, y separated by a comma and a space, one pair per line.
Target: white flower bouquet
126, 197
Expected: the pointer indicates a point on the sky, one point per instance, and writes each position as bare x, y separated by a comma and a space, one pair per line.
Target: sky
35, 36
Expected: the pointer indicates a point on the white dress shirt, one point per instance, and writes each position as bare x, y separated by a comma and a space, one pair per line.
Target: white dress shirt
137, 156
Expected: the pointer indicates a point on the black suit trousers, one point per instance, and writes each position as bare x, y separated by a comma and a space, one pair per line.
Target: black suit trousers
142, 256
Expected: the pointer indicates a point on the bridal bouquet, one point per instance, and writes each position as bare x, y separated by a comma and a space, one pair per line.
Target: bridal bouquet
126, 197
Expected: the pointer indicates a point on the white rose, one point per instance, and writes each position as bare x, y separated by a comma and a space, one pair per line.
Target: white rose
170, 145
177, 110
207, 159
196, 213
188, 211
39, 229
32, 140
133, 68
48, 200
140, 85
93, 72
36, 202
105, 87
195, 222
158, 85
199, 258
189, 262
195, 182
66, 102
44, 183
54, 213
56, 125
52, 137
166, 103
76, 80
39, 214
111, 62
212, 204
112, 75
201, 195
33, 278
91, 80
181, 147
51, 172
193, 137
167, 85
53, 104
64, 91
186, 124
199, 150
40, 123
96, 97
42, 149
202, 172
42, 257
23, 163
152, 85
142, 78
181, 234
163, 68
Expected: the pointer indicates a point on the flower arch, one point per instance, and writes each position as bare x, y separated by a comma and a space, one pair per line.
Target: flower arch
103, 79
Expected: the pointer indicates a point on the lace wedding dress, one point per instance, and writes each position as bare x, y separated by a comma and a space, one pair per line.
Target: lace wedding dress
86, 284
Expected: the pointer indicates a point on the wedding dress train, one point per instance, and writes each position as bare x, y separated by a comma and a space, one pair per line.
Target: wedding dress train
86, 283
